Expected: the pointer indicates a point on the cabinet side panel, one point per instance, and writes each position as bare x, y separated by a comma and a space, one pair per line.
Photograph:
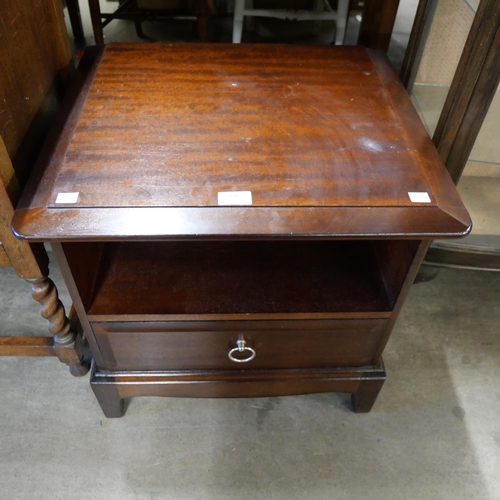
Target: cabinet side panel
421, 249
83, 260
394, 259
79, 265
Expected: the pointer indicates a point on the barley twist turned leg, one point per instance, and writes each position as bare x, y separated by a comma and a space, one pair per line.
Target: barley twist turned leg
66, 344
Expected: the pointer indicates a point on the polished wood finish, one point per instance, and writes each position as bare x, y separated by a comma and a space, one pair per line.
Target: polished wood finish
377, 23
113, 388
208, 275
311, 275
35, 69
298, 121
198, 345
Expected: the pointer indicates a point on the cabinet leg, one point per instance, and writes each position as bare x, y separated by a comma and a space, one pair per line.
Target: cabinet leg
67, 345
111, 403
364, 398
426, 273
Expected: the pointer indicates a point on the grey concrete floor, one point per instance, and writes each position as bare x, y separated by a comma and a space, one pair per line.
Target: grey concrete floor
434, 432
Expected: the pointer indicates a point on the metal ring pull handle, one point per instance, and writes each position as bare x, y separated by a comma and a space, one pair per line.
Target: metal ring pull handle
241, 347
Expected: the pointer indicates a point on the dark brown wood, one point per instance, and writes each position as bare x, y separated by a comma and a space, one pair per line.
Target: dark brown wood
95, 16
311, 274
293, 101
203, 16
205, 345
414, 47
377, 23
392, 260
78, 304
75, 18
413, 261
112, 388
473, 87
368, 390
208, 275
109, 398
479, 103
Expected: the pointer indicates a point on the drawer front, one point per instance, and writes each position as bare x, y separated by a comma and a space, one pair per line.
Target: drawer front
206, 345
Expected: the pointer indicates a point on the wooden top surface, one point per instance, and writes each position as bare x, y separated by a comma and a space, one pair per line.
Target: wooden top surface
319, 135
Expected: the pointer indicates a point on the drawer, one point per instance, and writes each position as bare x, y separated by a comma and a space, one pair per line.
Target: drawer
205, 345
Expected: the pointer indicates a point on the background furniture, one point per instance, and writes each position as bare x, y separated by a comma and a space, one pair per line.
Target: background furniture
75, 18
468, 89
377, 23
322, 12
152, 10
375, 30
35, 69
259, 208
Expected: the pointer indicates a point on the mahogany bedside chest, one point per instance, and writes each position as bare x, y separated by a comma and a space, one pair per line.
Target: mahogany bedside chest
238, 220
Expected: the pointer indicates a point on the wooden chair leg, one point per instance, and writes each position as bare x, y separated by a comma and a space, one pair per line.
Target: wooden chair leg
138, 24
75, 18
203, 21
138, 29
67, 344
95, 15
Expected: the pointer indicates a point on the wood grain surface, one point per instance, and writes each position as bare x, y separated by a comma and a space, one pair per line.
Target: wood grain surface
321, 136
205, 345
294, 128
267, 277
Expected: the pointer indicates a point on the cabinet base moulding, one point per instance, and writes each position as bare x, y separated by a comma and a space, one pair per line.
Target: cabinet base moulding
112, 387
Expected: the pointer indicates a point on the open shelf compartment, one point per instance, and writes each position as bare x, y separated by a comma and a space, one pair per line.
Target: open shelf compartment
237, 277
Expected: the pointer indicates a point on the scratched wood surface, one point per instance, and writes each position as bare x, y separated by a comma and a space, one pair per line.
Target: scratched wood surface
319, 135
295, 127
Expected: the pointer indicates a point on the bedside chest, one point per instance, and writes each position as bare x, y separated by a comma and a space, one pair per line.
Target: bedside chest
238, 220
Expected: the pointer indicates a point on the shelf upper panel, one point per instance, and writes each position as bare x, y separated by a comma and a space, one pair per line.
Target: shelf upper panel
318, 135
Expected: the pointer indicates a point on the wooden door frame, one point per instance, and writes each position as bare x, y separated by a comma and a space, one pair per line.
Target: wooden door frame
474, 85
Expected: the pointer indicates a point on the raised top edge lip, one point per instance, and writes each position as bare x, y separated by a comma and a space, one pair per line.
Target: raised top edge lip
204, 223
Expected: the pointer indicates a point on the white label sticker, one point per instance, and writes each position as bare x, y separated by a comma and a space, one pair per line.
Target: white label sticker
67, 197
421, 197
234, 198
